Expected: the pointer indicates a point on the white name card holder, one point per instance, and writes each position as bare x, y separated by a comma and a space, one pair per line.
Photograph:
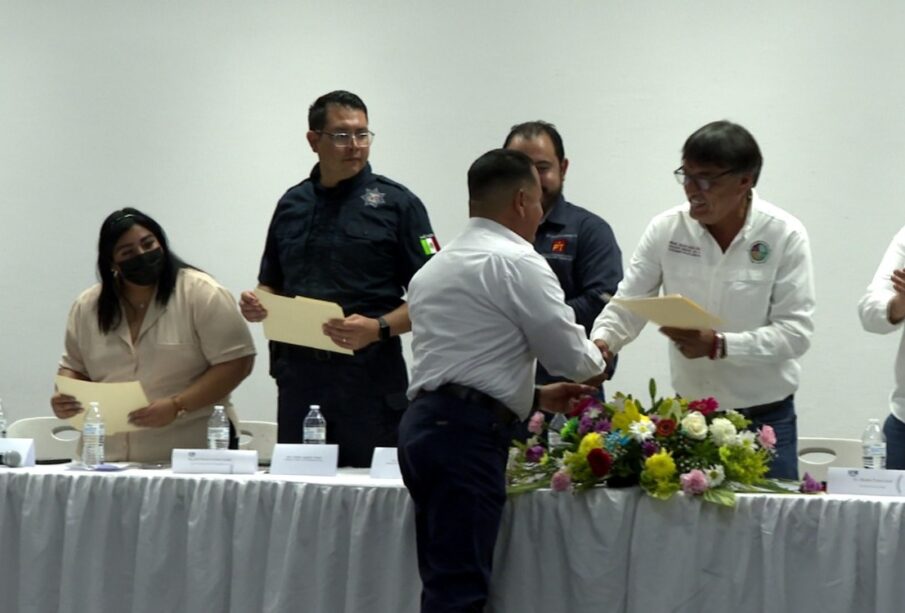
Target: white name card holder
215, 461
865, 481
24, 448
310, 460
385, 464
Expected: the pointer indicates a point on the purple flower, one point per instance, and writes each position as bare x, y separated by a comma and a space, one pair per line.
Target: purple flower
561, 481
694, 482
603, 425
809, 485
585, 425
649, 448
534, 454
536, 423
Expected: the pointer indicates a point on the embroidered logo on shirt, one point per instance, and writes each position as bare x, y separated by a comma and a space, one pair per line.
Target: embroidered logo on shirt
692, 250
373, 197
429, 244
559, 245
759, 252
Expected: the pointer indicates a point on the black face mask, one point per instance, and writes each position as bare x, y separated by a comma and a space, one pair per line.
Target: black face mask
143, 269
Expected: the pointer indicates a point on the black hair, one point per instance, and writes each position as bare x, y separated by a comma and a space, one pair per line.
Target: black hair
115, 225
317, 112
724, 144
533, 129
497, 169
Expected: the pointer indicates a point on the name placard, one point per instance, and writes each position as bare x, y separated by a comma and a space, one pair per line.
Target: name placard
311, 460
385, 464
15, 452
865, 481
215, 461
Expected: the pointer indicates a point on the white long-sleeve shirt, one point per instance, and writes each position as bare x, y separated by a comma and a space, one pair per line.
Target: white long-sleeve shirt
873, 310
761, 287
483, 309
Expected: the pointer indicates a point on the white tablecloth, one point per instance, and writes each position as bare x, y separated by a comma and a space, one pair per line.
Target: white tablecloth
148, 541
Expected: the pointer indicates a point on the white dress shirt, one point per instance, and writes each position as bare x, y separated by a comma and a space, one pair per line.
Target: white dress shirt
761, 287
484, 309
873, 309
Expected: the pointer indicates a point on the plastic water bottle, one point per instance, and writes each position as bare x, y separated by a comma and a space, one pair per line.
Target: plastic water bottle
2, 421
554, 439
874, 445
315, 427
93, 436
218, 429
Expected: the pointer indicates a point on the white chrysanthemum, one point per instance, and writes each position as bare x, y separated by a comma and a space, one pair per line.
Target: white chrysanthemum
723, 432
715, 475
694, 425
593, 413
642, 430
747, 439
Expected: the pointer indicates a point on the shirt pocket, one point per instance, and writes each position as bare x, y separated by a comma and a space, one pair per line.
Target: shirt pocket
366, 246
747, 295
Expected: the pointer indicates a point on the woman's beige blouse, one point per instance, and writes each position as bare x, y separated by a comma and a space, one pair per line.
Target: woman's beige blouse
199, 327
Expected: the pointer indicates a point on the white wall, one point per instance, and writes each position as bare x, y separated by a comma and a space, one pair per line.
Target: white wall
195, 112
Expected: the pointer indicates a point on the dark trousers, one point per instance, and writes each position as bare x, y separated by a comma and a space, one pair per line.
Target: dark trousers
894, 431
452, 455
780, 416
361, 399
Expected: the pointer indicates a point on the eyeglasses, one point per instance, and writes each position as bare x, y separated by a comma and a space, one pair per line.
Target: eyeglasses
703, 183
345, 139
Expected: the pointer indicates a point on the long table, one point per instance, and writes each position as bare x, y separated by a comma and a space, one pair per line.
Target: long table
151, 541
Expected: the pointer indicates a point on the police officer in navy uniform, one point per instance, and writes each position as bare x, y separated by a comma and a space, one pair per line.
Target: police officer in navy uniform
578, 245
353, 237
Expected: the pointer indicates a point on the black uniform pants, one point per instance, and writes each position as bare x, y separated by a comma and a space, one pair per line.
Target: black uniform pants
452, 455
362, 399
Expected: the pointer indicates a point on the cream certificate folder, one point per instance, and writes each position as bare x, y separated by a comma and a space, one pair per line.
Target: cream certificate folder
673, 311
298, 320
116, 401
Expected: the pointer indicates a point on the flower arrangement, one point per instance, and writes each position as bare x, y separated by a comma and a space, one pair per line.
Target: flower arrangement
675, 445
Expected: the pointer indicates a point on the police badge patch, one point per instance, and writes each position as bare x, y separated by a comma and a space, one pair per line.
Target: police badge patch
759, 252
373, 197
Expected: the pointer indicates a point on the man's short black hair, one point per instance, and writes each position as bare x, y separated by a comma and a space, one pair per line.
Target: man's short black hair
724, 144
498, 169
317, 112
533, 129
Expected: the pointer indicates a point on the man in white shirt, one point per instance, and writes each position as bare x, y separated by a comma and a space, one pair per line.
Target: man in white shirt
483, 311
882, 310
744, 260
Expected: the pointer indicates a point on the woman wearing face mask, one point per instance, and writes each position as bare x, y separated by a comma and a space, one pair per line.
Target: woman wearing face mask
155, 319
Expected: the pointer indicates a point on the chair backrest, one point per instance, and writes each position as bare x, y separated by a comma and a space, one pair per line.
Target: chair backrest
816, 455
260, 436
55, 439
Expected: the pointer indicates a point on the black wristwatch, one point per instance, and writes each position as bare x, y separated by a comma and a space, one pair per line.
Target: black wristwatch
384, 328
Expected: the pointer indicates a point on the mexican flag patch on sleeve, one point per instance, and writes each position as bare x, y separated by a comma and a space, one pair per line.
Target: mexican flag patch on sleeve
429, 244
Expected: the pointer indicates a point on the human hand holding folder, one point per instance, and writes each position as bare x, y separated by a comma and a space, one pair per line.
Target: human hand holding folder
116, 401
299, 320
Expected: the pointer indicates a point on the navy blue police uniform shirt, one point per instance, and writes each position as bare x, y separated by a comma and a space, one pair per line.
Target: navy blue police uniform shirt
357, 244
582, 250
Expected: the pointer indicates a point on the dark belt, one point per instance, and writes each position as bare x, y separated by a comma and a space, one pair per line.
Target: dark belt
501, 413
762, 409
320, 355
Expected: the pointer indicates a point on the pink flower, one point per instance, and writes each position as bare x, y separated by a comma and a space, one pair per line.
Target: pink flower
561, 481
536, 423
694, 482
809, 485
705, 406
766, 437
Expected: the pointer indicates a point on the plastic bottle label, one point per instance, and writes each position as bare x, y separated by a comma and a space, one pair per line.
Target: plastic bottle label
315, 435
874, 455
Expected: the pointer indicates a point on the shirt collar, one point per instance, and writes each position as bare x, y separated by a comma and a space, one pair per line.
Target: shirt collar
557, 212
483, 223
344, 186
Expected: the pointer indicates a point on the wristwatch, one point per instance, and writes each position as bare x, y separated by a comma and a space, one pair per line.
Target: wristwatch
384, 332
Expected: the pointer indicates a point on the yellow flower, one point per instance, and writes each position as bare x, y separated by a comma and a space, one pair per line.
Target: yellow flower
622, 420
591, 440
660, 466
